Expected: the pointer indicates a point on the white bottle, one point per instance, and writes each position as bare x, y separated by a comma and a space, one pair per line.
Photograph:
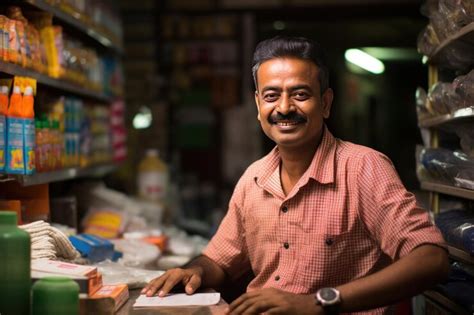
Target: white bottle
153, 177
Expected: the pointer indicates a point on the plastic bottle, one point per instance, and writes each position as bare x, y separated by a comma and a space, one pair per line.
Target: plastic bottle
15, 151
3, 100
15, 280
28, 115
55, 295
15, 103
152, 177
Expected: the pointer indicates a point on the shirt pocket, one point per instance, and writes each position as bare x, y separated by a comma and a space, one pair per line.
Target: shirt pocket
325, 261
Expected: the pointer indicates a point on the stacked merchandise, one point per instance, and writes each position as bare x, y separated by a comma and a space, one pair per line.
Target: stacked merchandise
446, 110
446, 18
35, 43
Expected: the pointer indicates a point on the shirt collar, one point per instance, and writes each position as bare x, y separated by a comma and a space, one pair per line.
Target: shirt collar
321, 168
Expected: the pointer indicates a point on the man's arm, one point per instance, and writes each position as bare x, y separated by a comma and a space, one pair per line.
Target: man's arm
422, 268
200, 272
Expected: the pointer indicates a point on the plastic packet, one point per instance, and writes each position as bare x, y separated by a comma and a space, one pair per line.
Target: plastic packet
427, 41
452, 166
137, 253
116, 273
466, 134
438, 95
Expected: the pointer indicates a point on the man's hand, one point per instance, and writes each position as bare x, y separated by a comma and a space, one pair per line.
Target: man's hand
274, 301
190, 278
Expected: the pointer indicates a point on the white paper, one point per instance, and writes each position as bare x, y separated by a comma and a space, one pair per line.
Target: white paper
179, 299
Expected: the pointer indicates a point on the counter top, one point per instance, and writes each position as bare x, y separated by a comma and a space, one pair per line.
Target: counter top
127, 308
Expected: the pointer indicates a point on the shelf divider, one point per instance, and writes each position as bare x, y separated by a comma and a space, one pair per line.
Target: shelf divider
447, 189
13, 69
62, 175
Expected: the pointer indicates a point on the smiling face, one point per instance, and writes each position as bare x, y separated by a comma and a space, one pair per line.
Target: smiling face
290, 106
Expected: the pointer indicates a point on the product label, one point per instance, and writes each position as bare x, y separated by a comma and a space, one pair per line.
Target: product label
15, 146
152, 185
2, 141
29, 149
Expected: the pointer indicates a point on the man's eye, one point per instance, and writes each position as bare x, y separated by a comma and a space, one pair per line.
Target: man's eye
270, 97
301, 96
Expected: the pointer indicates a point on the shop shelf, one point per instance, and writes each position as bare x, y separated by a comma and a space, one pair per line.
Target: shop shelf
464, 35
462, 114
445, 302
447, 189
461, 255
75, 22
60, 84
61, 175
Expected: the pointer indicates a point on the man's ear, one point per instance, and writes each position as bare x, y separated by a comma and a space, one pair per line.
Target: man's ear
327, 99
257, 103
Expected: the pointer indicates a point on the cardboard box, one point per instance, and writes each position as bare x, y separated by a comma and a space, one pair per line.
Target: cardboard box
63, 268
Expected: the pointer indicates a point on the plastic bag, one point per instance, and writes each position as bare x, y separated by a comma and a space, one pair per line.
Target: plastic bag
115, 273
137, 253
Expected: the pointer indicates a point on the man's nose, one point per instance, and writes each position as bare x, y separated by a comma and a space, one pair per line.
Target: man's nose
285, 106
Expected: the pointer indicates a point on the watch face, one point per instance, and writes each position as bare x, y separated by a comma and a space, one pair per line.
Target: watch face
328, 296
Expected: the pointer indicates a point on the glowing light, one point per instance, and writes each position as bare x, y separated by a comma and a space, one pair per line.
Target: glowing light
364, 60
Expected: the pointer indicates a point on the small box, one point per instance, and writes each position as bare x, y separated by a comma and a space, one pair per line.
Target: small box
63, 268
93, 247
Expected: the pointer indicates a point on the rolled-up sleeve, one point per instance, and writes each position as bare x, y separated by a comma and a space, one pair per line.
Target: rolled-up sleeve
389, 212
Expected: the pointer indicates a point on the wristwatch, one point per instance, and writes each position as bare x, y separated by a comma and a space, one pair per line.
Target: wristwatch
329, 299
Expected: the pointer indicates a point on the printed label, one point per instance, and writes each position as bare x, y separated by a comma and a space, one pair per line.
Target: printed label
29, 132
152, 185
15, 146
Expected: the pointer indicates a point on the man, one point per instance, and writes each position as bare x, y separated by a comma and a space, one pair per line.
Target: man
325, 225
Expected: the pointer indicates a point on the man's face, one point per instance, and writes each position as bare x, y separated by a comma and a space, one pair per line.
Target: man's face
290, 106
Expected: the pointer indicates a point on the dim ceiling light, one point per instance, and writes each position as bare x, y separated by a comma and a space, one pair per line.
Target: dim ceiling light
364, 60
143, 118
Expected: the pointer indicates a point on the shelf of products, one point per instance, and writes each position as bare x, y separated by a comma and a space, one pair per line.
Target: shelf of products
93, 31
456, 117
61, 175
445, 302
17, 70
447, 189
461, 255
464, 35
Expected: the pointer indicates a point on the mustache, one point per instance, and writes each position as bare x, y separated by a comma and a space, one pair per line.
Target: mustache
293, 116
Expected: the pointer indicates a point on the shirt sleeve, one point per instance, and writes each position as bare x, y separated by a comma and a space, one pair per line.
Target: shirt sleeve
228, 246
389, 212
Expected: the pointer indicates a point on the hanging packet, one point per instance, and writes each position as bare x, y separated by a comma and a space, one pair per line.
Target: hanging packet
3, 130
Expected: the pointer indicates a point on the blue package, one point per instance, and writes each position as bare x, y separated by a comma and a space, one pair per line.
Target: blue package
15, 161
93, 247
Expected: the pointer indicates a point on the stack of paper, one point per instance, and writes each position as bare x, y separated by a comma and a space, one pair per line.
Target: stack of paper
179, 299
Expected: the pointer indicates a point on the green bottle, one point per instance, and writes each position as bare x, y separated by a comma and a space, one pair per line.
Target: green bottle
15, 264
55, 296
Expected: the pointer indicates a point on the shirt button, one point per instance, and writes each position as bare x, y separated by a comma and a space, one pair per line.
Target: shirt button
284, 209
286, 245
329, 241
277, 278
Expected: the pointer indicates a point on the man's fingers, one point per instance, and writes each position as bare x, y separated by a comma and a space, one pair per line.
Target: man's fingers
193, 284
243, 304
154, 285
170, 283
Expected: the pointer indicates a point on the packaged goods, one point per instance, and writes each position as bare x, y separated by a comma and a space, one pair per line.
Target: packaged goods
15, 135
29, 130
63, 268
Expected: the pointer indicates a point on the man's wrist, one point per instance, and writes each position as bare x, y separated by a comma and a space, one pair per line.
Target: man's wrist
329, 299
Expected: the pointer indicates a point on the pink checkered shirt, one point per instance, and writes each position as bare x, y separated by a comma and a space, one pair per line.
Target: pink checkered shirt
347, 217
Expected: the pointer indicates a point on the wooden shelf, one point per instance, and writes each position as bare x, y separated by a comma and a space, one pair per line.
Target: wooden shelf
60, 175
463, 36
462, 114
60, 84
460, 255
445, 302
91, 31
447, 189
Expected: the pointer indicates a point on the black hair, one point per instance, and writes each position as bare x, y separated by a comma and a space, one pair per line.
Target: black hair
297, 47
